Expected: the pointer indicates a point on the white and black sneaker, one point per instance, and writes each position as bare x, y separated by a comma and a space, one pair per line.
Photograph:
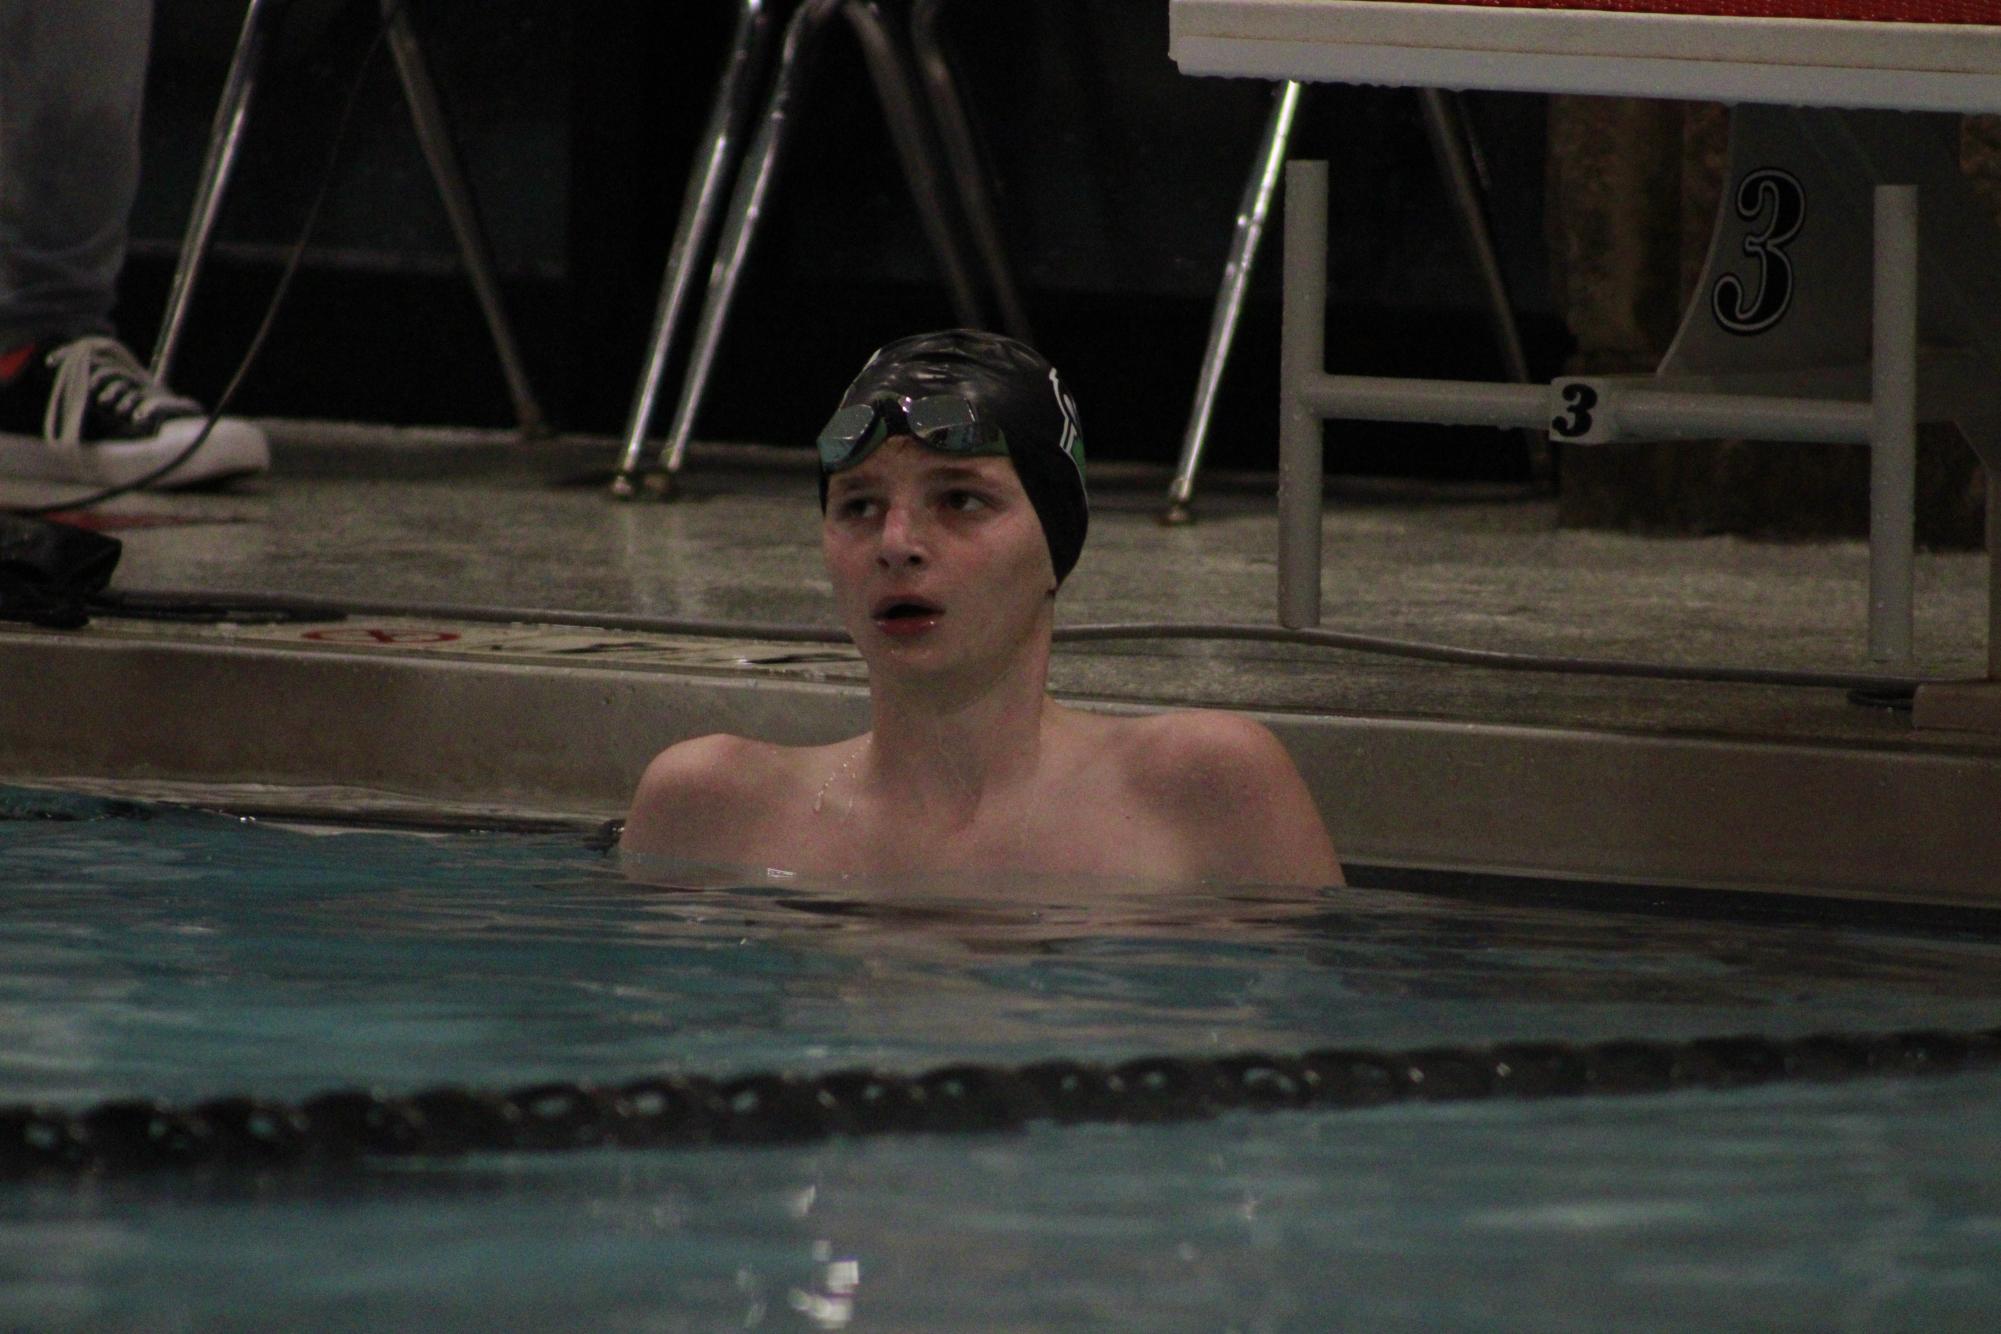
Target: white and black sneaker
88, 412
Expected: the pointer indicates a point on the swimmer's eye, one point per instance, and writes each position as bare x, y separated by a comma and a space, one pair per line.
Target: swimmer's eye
856, 507
966, 501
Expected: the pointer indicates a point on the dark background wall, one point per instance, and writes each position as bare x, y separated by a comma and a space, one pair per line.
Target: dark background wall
1118, 181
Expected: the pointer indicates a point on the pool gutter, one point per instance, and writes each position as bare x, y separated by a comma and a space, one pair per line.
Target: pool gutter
544, 737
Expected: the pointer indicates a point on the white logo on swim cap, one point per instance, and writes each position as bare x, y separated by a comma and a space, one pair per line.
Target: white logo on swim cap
1072, 443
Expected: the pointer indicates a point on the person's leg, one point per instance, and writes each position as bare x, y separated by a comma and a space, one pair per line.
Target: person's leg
75, 404
1625, 244
72, 76
1614, 205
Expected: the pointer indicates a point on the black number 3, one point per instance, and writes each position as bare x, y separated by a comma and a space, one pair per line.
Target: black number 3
1776, 197
1581, 398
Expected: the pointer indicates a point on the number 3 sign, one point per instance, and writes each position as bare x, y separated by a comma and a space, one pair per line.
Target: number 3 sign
1580, 412
1774, 199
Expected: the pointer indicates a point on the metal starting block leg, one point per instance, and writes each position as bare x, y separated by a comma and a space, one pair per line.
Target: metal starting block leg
1807, 327
1782, 300
1975, 706
1588, 410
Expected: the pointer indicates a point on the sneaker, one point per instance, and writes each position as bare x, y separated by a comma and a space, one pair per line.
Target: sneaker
88, 412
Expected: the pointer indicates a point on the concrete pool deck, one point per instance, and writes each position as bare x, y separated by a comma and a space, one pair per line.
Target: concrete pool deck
436, 694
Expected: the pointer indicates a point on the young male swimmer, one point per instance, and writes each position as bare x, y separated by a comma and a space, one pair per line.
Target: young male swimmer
952, 486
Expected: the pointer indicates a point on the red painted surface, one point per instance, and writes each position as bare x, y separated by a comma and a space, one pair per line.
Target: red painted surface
1876, 11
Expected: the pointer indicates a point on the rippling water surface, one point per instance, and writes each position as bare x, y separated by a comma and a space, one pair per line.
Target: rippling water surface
181, 955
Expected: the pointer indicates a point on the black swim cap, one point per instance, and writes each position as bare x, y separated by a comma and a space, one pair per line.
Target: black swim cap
1011, 386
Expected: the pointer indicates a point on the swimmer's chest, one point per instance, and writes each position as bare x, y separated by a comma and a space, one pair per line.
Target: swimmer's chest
1067, 832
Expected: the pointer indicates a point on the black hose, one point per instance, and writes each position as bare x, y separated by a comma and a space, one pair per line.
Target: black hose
1885, 686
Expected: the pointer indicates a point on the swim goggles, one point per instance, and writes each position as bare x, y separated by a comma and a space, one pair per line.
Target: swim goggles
944, 422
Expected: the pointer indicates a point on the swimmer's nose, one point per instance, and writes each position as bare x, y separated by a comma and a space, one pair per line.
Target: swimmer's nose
902, 544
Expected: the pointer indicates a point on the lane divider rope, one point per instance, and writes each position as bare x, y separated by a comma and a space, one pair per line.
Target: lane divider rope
345, 1127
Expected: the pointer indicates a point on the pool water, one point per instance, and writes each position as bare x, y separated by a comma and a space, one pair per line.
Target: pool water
147, 951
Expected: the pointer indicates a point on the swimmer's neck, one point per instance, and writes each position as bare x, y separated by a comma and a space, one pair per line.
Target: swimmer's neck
933, 747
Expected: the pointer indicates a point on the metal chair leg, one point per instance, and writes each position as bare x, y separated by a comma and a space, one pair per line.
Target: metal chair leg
910, 130
896, 90
707, 183
753, 183
1447, 131
224, 141
955, 134
1252, 213
440, 153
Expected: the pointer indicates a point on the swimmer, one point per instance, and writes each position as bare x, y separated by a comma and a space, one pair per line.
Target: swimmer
952, 490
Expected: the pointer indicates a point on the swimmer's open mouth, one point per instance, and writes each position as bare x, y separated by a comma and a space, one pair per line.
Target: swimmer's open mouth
901, 609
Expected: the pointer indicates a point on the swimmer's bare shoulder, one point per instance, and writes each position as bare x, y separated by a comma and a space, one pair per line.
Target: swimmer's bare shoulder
1232, 792
711, 799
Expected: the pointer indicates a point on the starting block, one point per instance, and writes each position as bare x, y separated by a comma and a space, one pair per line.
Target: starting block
1853, 282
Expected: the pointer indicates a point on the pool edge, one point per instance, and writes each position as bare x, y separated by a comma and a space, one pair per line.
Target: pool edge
567, 741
